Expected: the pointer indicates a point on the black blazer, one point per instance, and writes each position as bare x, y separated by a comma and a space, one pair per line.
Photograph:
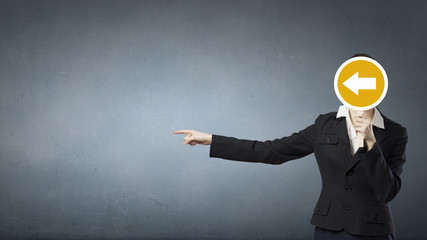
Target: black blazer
355, 189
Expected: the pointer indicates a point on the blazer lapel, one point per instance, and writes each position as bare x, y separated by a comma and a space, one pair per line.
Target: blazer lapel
380, 136
341, 131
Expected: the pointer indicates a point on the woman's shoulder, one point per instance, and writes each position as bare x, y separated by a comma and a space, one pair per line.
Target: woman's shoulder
326, 117
394, 127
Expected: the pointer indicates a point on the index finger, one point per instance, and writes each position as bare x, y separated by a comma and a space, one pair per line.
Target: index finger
182, 132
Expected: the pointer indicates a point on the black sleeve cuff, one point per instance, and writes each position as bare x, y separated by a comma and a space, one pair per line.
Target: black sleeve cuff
217, 142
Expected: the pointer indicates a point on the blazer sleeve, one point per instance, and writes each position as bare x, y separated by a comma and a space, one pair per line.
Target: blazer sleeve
275, 151
384, 175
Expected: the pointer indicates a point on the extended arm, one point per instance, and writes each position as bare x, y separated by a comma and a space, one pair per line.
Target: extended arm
275, 151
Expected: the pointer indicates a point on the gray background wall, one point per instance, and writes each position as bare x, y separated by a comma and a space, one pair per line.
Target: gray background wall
92, 90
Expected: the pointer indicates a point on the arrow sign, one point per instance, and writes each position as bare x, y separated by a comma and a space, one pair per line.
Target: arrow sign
355, 83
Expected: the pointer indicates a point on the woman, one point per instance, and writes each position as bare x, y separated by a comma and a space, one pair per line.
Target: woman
357, 183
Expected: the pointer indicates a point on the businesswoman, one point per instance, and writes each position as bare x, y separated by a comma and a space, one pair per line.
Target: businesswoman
357, 183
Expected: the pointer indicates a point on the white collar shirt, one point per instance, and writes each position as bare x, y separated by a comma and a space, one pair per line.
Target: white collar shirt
343, 111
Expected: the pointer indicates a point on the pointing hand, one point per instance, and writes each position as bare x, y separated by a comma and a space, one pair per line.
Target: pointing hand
194, 137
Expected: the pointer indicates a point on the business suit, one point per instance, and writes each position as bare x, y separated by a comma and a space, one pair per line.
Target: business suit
356, 189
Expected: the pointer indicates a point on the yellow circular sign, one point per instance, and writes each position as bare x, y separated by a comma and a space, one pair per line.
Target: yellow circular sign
361, 83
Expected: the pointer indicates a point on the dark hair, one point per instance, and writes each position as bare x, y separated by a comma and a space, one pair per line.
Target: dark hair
362, 55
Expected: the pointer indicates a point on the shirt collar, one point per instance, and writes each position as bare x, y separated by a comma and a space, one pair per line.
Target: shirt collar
378, 120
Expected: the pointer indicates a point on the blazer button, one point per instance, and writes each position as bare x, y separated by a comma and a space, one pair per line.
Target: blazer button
377, 218
347, 206
328, 140
350, 173
348, 188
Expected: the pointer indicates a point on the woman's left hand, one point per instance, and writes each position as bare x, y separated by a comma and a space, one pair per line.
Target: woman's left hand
364, 127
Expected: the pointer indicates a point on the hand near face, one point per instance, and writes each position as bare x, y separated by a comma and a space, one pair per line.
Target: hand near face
364, 126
